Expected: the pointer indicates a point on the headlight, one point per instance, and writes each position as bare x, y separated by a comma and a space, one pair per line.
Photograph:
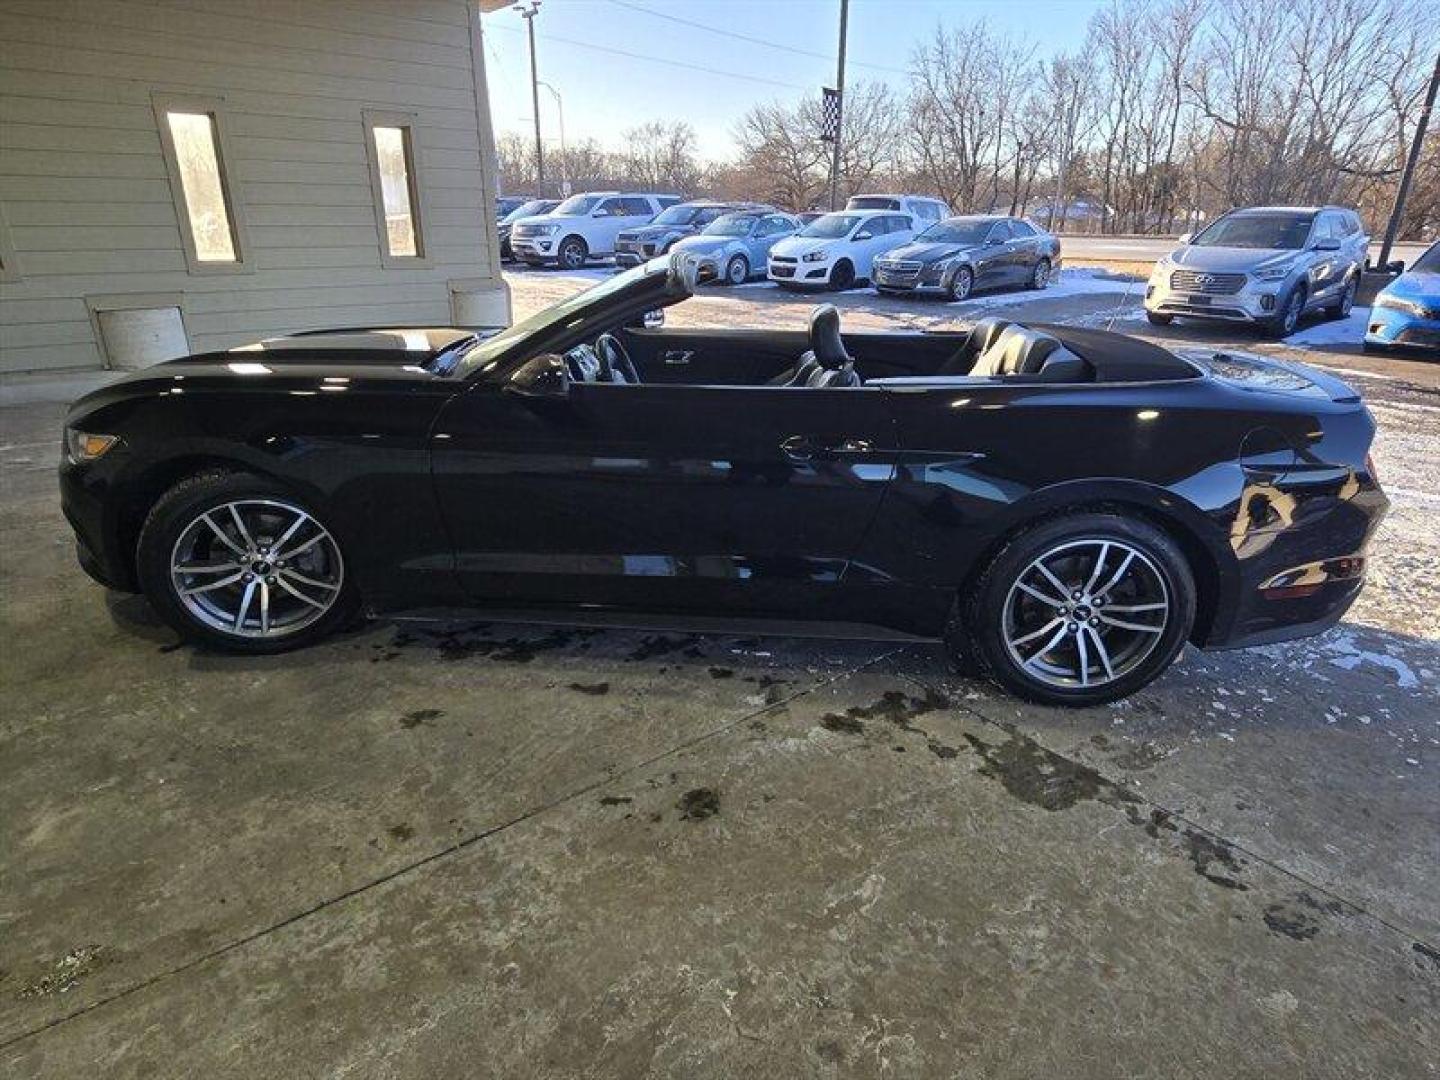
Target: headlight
83, 446
1399, 303
813, 256
1274, 273
945, 264
545, 230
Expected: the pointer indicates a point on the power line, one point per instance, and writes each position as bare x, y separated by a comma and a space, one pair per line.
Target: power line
747, 37
659, 60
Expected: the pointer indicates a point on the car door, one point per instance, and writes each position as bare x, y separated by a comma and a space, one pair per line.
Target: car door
1327, 268
769, 231
606, 222
992, 259
661, 497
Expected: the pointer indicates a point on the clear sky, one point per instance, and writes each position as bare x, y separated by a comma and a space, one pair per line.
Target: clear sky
580, 45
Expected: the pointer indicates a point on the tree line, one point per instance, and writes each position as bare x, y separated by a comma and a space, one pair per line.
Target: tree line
1169, 112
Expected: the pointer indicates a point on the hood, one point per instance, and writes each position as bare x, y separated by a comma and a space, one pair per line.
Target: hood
927, 252
541, 219
655, 232
796, 246
1230, 260
1423, 285
704, 245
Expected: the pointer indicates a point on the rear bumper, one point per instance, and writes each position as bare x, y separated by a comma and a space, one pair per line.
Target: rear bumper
1299, 581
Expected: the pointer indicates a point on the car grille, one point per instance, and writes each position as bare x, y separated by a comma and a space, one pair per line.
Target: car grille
900, 266
1207, 284
782, 271
783, 259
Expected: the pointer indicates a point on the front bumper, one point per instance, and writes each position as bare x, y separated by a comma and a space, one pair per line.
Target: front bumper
635, 252
1253, 302
795, 273
1389, 327
534, 249
85, 500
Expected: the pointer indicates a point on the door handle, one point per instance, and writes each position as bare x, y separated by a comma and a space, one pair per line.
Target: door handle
804, 448
677, 356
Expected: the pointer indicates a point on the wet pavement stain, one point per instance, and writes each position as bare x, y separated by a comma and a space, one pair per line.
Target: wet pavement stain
1423, 950
940, 750
469, 641
1206, 852
660, 645
1291, 922
1138, 758
615, 800
414, 719
894, 707
721, 673
66, 972
593, 689
400, 832
699, 804
1043, 778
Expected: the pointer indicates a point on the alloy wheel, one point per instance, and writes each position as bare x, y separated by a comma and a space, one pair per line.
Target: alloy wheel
1085, 613
1292, 312
1041, 277
960, 285
1347, 301
737, 271
256, 568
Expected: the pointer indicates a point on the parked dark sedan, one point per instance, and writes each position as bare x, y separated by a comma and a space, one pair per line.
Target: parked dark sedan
1065, 507
959, 254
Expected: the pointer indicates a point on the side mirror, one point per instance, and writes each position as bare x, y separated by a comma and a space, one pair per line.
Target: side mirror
865, 235
1328, 243
1185, 238
543, 376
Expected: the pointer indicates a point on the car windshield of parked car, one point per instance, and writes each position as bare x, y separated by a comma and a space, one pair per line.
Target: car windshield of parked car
577, 204
527, 209
1257, 231
957, 232
729, 225
1428, 263
679, 215
831, 226
492, 347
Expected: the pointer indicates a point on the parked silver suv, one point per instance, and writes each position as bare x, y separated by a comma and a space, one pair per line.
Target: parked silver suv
1266, 265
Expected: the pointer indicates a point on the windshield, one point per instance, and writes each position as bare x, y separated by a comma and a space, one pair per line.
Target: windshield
831, 226
577, 204
872, 202
729, 225
678, 215
491, 348
1429, 263
957, 232
532, 208
1257, 231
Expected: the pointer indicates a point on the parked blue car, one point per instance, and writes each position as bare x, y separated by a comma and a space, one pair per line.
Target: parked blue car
737, 246
1406, 313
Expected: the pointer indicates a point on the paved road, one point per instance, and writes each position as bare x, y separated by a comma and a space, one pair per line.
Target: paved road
1150, 248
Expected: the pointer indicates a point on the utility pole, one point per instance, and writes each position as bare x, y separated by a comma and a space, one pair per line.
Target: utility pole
1404, 189
564, 158
528, 14
840, 105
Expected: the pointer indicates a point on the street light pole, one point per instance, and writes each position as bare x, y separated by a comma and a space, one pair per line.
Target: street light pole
840, 104
1404, 189
529, 16
564, 158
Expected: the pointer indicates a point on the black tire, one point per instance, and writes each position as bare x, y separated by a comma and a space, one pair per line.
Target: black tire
1341, 308
976, 634
1157, 318
1286, 319
737, 270
182, 506
572, 253
842, 276
960, 284
1040, 276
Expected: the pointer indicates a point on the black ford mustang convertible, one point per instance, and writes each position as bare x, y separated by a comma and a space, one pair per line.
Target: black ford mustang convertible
1064, 507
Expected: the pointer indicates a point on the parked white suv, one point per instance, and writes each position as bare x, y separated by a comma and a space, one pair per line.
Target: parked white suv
583, 227
922, 208
836, 250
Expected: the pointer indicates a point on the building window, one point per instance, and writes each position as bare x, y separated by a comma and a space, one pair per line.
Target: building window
390, 147
194, 145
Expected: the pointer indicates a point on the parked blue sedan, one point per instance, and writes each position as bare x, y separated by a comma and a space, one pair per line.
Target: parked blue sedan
735, 247
1406, 313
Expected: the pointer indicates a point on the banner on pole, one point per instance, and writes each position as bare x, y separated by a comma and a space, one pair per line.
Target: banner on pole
829, 115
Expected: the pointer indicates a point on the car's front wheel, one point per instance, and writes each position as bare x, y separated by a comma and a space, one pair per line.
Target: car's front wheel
237, 562
1287, 320
737, 270
1084, 609
1342, 307
1040, 276
960, 284
572, 253
843, 276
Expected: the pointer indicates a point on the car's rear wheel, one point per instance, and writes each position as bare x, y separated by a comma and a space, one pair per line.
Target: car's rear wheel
237, 562
1157, 318
843, 276
572, 253
1040, 276
1084, 609
960, 284
737, 270
1342, 307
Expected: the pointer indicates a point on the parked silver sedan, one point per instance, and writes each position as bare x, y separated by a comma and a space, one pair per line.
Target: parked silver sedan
736, 247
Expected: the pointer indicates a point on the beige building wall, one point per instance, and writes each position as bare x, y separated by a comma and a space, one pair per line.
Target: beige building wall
89, 222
